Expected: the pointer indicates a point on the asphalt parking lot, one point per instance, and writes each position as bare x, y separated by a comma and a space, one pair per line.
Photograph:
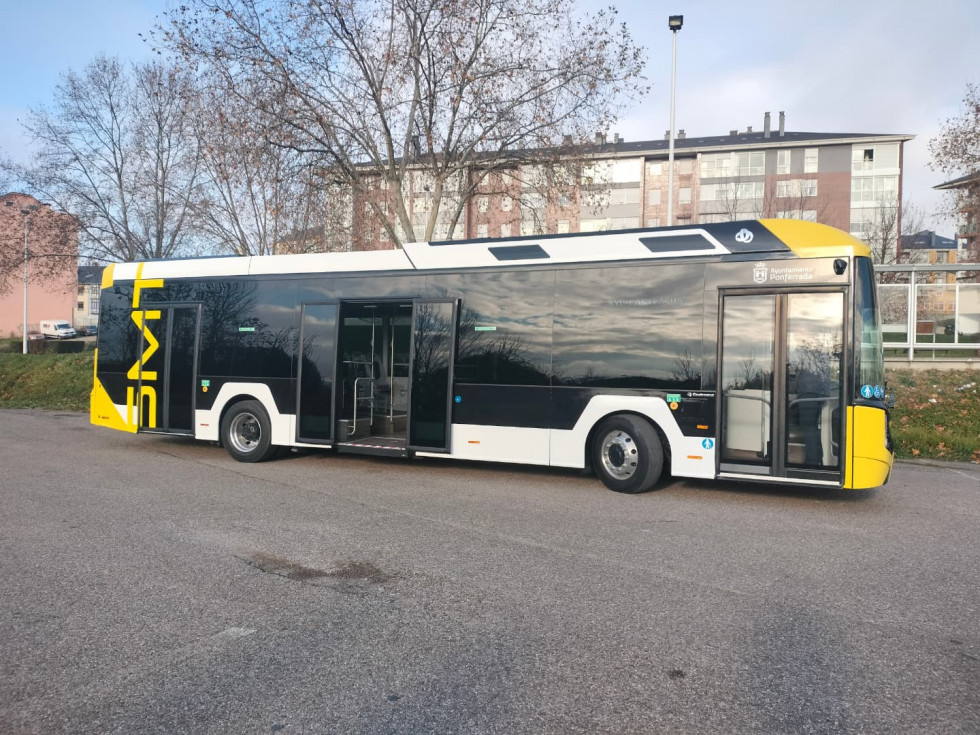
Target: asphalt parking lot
153, 585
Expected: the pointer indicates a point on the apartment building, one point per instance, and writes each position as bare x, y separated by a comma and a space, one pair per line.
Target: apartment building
966, 190
840, 179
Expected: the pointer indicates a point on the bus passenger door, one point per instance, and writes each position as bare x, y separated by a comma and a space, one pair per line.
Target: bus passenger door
748, 355
430, 386
168, 368
318, 363
781, 386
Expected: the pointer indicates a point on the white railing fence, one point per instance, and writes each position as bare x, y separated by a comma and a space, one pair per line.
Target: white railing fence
930, 312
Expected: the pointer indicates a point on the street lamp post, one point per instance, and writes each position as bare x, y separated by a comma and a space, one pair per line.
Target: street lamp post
674, 22
27, 212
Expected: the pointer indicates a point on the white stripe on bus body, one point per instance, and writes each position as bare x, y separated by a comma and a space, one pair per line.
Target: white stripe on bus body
424, 256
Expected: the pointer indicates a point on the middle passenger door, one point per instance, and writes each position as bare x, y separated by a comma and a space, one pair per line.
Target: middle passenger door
430, 388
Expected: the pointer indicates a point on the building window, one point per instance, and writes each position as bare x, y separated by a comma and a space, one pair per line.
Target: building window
653, 197
810, 215
93, 304
750, 163
383, 235
626, 171
782, 162
562, 226
684, 195
594, 225
81, 290
564, 200
624, 196
623, 223
482, 204
810, 160
940, 257
80, 305
684, 165
797, 188
716, 165
505, 229
863, 159
655, 169
506, 203
482, 230
653, 222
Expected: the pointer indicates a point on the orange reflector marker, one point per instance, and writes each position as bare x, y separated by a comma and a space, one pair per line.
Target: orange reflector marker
694, 456
472, 441
702, 426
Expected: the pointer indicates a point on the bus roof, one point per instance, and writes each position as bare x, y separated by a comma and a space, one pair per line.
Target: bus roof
752, 238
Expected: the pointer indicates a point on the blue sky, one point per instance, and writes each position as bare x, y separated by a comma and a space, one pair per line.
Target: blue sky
864, 66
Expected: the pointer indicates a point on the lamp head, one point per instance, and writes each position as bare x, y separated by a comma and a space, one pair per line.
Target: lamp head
675, 22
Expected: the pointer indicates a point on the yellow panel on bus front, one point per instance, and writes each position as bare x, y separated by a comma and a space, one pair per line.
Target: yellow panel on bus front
869, 461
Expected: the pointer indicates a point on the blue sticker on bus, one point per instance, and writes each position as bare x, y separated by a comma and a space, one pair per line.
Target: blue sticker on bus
867, 391
708, 443
458, 399
879, 392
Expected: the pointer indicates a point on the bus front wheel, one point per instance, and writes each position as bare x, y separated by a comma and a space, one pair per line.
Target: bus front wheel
627, 455
247, 433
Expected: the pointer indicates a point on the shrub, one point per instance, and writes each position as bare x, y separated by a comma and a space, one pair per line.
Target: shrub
49, 347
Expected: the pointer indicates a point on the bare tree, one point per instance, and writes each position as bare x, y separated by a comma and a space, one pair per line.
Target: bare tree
47, 238
389, 87
887, 224
253, 196
117, 151
956, 153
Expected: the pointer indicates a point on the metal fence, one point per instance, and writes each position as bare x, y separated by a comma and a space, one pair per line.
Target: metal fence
930, 312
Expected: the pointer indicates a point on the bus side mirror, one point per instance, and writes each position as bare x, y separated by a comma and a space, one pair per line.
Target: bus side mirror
840, 265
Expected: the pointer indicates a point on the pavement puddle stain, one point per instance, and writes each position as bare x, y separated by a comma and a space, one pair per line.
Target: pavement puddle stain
348, 572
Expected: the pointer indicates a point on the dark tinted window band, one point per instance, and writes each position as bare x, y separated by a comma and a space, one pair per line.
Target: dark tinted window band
519, 252
675, 243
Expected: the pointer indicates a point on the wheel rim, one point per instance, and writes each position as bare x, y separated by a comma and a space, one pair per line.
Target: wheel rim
245, 432
619, 455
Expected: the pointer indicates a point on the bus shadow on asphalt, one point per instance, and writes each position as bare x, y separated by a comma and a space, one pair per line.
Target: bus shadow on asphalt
472, 468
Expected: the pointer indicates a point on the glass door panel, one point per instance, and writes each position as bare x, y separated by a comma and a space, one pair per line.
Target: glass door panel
433, 336
318, 351
747, 362
814, 352
181, 353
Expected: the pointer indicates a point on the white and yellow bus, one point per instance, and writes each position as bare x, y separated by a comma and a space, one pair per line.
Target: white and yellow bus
741, 350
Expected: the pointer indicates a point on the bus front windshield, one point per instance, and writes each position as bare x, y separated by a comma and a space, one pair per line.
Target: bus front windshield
869, 372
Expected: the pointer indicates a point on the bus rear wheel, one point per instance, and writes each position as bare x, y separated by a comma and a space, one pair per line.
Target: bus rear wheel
627, 454
247, 433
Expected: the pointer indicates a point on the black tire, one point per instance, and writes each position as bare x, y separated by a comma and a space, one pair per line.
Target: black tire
627, 454
247, 433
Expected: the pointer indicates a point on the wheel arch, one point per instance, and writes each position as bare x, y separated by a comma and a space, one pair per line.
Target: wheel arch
231, 393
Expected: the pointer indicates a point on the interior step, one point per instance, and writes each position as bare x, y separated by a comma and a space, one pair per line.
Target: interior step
376, 447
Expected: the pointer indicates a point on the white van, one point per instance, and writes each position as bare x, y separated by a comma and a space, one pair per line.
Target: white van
56, 329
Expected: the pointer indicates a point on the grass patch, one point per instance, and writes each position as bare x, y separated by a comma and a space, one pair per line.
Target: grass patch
936, 414
53, 381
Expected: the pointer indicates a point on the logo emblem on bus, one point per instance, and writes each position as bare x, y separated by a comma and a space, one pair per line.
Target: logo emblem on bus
760, 273
708, 443
744, 236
